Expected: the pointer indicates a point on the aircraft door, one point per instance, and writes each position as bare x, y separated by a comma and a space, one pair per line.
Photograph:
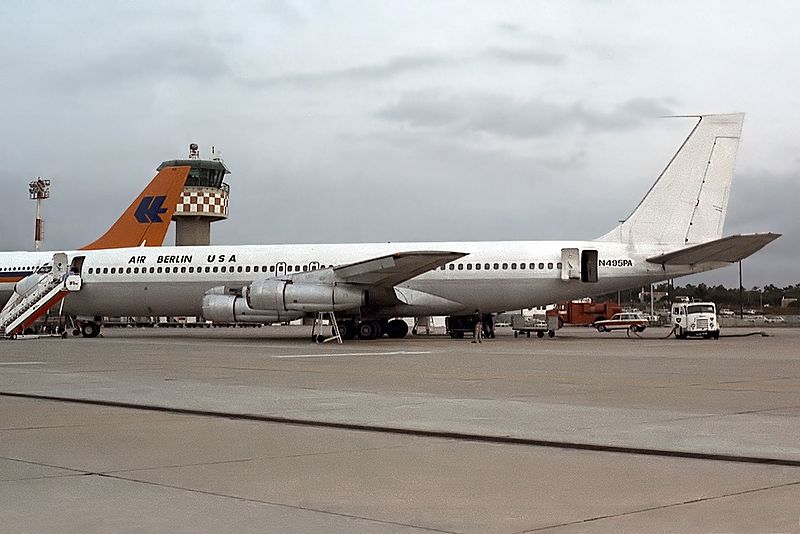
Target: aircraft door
313, 266
589, 266
570, 264
76, 267
280, 268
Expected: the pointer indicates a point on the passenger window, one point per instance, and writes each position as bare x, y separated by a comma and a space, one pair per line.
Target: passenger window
183, 269
208, 269
240, 269
477, 266
135, 270
521, 265
452, 266
305, 268
159, 270
288, 268
487, 266
105, 270
247, 269
191, 269
559, 265
541, 265
496, 266
460, 266
167, 270
514, 266
549, 265
90, 270
271, 268
531, 265
505, 266
223, 269
469, 266
113, 270
215, 269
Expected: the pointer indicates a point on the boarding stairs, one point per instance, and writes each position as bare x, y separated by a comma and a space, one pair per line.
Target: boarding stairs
22, 310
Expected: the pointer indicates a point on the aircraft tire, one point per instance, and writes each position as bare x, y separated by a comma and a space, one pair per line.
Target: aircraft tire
90, 329
369, 330
348, 330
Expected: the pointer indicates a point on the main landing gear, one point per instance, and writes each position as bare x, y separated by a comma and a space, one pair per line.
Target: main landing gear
87, 328
372, 329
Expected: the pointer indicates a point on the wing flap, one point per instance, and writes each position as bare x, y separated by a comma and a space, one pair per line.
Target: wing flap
727, 249
383, 271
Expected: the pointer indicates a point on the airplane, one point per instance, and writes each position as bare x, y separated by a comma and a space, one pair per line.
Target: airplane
144, 223
675, 230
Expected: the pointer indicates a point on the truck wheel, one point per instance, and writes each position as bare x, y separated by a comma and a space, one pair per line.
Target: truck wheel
516, 334
551, 333
528, 334
716, 334
601, 328
540, 335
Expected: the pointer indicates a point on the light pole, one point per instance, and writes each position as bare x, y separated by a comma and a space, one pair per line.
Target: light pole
39, 190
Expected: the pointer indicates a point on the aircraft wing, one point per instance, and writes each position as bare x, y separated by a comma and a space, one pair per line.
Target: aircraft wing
727, 249
385, 271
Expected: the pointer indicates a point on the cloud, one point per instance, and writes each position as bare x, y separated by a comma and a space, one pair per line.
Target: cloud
514, 118
375, 72
530, 56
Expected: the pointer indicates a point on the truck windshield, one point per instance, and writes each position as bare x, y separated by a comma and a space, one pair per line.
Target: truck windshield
700, 308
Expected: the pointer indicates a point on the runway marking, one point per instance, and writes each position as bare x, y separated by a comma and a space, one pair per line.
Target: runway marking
416, 432
22, 363
329, 354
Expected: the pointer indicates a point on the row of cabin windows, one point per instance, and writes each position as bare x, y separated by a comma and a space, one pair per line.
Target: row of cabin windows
17, 269
191, 269
498, 266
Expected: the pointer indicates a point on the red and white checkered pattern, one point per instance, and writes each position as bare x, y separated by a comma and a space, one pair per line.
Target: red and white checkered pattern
206, 202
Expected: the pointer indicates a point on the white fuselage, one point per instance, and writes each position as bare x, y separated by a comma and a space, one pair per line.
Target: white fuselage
173, 280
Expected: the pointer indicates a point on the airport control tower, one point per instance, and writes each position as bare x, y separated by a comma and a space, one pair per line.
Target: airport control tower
204, 198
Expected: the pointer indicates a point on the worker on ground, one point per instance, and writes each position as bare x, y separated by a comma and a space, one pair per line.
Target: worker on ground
478, 334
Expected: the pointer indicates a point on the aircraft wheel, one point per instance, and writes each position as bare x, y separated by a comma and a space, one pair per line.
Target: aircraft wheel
369, 330
348, 329
397, 329
90, 329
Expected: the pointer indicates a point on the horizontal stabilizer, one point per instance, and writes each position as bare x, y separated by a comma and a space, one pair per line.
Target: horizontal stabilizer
727, 249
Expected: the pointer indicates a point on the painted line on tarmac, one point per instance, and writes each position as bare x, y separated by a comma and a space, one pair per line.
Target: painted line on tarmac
440, 434
22, 363
329, 354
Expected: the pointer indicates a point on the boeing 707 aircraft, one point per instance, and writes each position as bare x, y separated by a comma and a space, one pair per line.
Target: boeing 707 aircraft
675, 230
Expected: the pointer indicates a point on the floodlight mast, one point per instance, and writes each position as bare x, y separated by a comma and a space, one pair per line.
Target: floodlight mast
39, 190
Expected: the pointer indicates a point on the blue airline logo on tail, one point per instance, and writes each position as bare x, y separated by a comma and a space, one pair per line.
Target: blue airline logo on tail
149, 209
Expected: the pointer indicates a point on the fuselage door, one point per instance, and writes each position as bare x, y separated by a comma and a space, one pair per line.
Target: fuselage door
570, 264
589, 266
280, 268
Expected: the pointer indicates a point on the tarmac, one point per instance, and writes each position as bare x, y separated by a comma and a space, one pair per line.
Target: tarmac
259, 430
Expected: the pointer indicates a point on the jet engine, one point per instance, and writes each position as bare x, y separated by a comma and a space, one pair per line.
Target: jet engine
223, 308
281, 295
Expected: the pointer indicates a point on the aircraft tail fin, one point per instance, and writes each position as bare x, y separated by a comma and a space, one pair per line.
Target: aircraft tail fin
146, 221
688, 202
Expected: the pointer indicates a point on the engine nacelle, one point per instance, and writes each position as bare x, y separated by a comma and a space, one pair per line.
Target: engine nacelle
234, 309
273, 294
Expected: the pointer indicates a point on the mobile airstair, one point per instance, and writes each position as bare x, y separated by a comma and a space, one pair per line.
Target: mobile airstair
40, 292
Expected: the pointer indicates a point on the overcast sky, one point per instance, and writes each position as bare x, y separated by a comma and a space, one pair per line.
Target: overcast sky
397, 121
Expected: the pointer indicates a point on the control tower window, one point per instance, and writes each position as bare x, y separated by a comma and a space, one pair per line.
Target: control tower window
200, 177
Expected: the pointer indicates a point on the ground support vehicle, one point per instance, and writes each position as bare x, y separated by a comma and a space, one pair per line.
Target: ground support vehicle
536, 324
579, 312
457, 326
695, 319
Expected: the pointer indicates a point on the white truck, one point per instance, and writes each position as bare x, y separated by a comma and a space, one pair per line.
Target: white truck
695, 319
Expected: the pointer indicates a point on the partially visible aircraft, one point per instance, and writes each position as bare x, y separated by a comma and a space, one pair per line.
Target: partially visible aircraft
676, 230
144, 223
